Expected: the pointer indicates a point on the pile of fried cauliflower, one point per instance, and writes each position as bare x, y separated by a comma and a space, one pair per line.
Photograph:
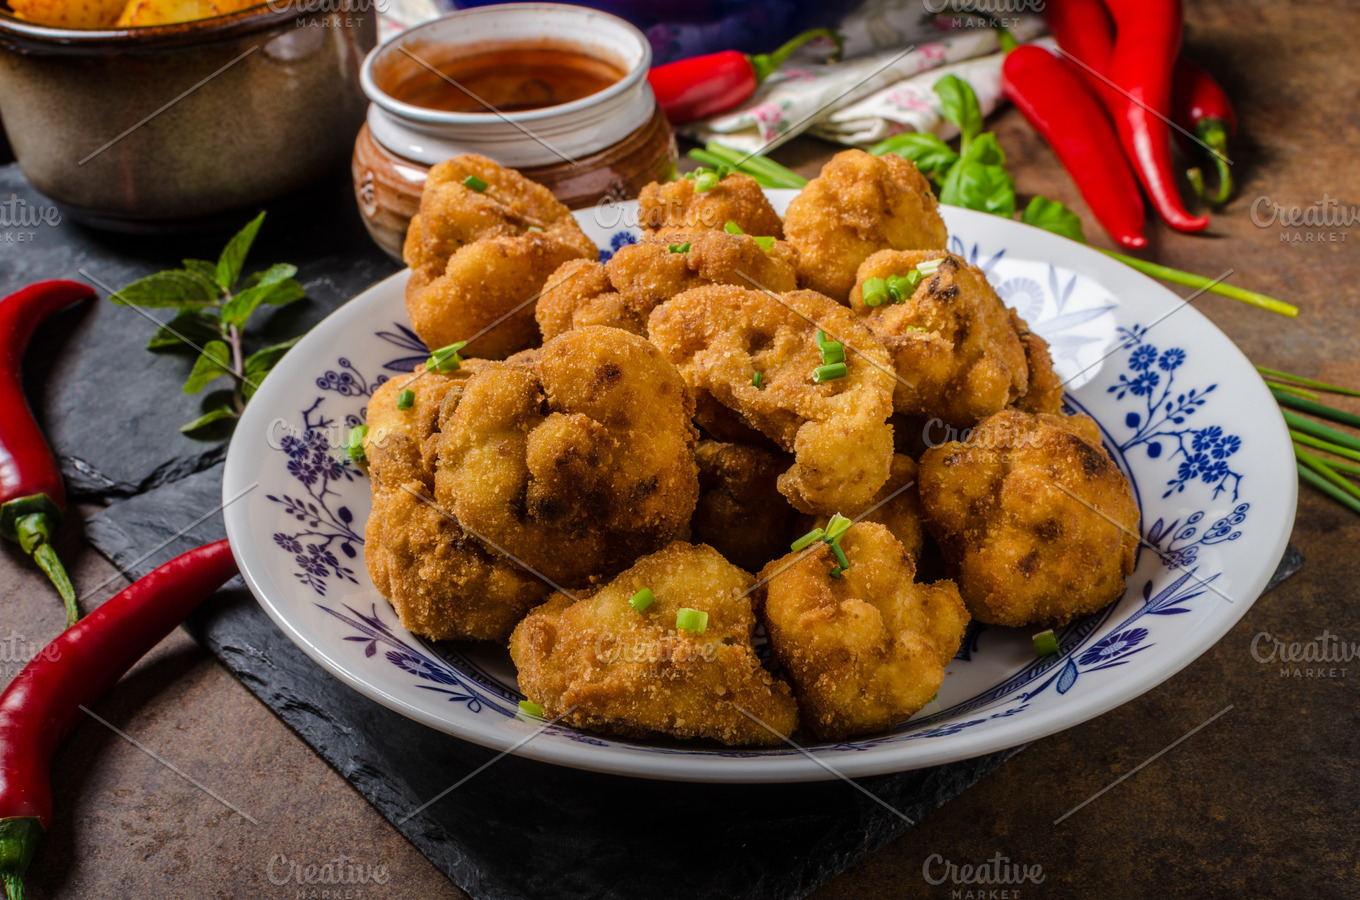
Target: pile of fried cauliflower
628, 469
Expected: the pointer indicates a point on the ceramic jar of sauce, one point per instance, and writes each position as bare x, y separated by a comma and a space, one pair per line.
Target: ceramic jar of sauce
558, 92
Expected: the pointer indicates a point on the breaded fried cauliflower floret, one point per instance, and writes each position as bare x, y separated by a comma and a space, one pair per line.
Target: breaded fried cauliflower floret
680, 209
868, 649
952, 341
605, 666
623, 292
859, 204
480, 250
1045, 390
441, 581
1033, 516
575, 458
720, 336
896, 506
740, 512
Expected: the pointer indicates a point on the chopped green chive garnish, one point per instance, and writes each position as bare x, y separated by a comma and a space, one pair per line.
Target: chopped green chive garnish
807, 540
829, 373
1045, 643
838, 526
874, 292
901, 286
405, 399
832, 352
474, 183
757, 378
445, 359
355, 447
836, 571
933, 697
531, 708
642, 599
705, 181
912, 328
533, 228
766, 243
691, 620
821, 336
732, 228
930, 266
678, 248
840, 556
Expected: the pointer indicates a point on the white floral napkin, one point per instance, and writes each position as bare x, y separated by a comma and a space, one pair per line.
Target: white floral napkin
867, 98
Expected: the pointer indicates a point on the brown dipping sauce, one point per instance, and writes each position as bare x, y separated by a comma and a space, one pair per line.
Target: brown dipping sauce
513, 78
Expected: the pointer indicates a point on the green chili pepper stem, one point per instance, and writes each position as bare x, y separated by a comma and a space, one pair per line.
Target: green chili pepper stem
1214, 134
19, 839
34, 534
764, 64
1189, 279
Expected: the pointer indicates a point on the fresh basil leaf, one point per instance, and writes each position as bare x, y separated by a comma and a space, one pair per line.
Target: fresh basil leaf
190, 327
960, 105
236, 310
987, 188
177, 288
984, 150
234, 254
213, 362
1050, 215
930, 154
209, 417
202, 267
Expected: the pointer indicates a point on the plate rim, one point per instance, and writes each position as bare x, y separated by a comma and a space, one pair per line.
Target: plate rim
798, 767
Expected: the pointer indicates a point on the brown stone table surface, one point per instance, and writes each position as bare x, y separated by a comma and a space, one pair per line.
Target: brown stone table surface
1260, 802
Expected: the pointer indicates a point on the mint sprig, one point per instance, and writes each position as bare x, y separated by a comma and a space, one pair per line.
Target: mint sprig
214, 304
976, 176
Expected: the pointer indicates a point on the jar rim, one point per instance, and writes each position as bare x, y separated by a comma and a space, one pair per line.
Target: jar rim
414, 114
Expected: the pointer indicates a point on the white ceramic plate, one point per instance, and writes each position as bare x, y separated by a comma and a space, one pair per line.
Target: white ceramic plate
1182, 410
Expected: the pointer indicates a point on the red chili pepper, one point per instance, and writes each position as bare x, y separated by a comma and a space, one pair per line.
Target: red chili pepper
43, 704
32, 496
703, 86
1146, 40
1200, 106
1070, 118
1085, 34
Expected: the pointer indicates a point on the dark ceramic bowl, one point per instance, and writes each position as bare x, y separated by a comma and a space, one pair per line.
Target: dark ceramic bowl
172, 126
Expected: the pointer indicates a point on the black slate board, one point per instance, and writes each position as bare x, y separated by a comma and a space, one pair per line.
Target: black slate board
111, 410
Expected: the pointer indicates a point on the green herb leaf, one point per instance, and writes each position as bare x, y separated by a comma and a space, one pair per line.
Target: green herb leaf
930, 154
234, 254
960, 105
236, 310
261, 362
987, 188
213, 415
202, 267
985, 150
192, 326
272, 275
178, 288
213, 362
1050, 215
